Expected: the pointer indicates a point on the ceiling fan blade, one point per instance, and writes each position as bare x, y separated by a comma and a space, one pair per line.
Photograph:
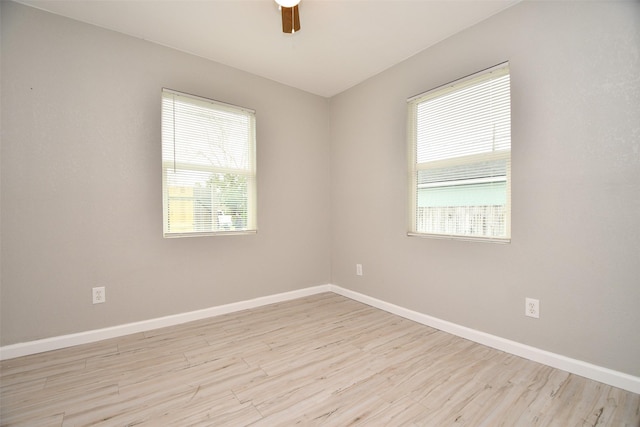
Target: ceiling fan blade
290, 19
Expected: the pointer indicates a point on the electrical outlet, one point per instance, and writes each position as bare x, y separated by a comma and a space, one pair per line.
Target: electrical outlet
98, 295
532, 307
358, 269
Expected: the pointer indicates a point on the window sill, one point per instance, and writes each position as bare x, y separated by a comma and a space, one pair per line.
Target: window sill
210, 234
500, 240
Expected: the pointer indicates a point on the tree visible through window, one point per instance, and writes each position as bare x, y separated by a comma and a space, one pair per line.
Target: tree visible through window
460, 158
208, 166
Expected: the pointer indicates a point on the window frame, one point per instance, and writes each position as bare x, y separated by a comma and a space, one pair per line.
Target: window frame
249, 172
497, 155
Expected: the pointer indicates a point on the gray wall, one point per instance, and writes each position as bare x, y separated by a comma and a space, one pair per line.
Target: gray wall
81, 197
81, 183
576, 185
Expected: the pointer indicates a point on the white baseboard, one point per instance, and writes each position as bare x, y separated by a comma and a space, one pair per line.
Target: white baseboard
578, 367
598, 373
63, 341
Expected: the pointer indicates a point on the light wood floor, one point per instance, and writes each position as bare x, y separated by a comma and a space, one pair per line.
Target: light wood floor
320, 360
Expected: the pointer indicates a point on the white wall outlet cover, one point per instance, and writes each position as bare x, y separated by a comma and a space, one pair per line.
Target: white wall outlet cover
532, 308
99, 295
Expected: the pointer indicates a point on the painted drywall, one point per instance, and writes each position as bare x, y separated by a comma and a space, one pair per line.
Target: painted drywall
576, 185
81, 183
81, 199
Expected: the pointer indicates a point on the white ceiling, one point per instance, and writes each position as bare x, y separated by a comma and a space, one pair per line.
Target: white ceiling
341, 42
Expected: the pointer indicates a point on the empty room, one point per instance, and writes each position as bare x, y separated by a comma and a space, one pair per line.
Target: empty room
320, 212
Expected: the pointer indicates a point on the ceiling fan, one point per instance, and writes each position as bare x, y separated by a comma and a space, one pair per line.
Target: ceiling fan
290, 15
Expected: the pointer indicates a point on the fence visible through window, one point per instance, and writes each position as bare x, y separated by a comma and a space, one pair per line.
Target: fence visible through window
486, 221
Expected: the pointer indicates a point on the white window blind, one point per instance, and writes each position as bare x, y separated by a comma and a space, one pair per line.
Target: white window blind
460, 158
208, 166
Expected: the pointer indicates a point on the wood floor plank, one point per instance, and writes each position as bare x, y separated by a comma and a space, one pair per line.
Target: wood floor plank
319, 360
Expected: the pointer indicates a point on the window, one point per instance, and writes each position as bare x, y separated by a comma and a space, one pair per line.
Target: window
460, 158
208, 167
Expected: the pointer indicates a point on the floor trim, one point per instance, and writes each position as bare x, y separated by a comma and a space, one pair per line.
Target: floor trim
63, 341
598, 373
